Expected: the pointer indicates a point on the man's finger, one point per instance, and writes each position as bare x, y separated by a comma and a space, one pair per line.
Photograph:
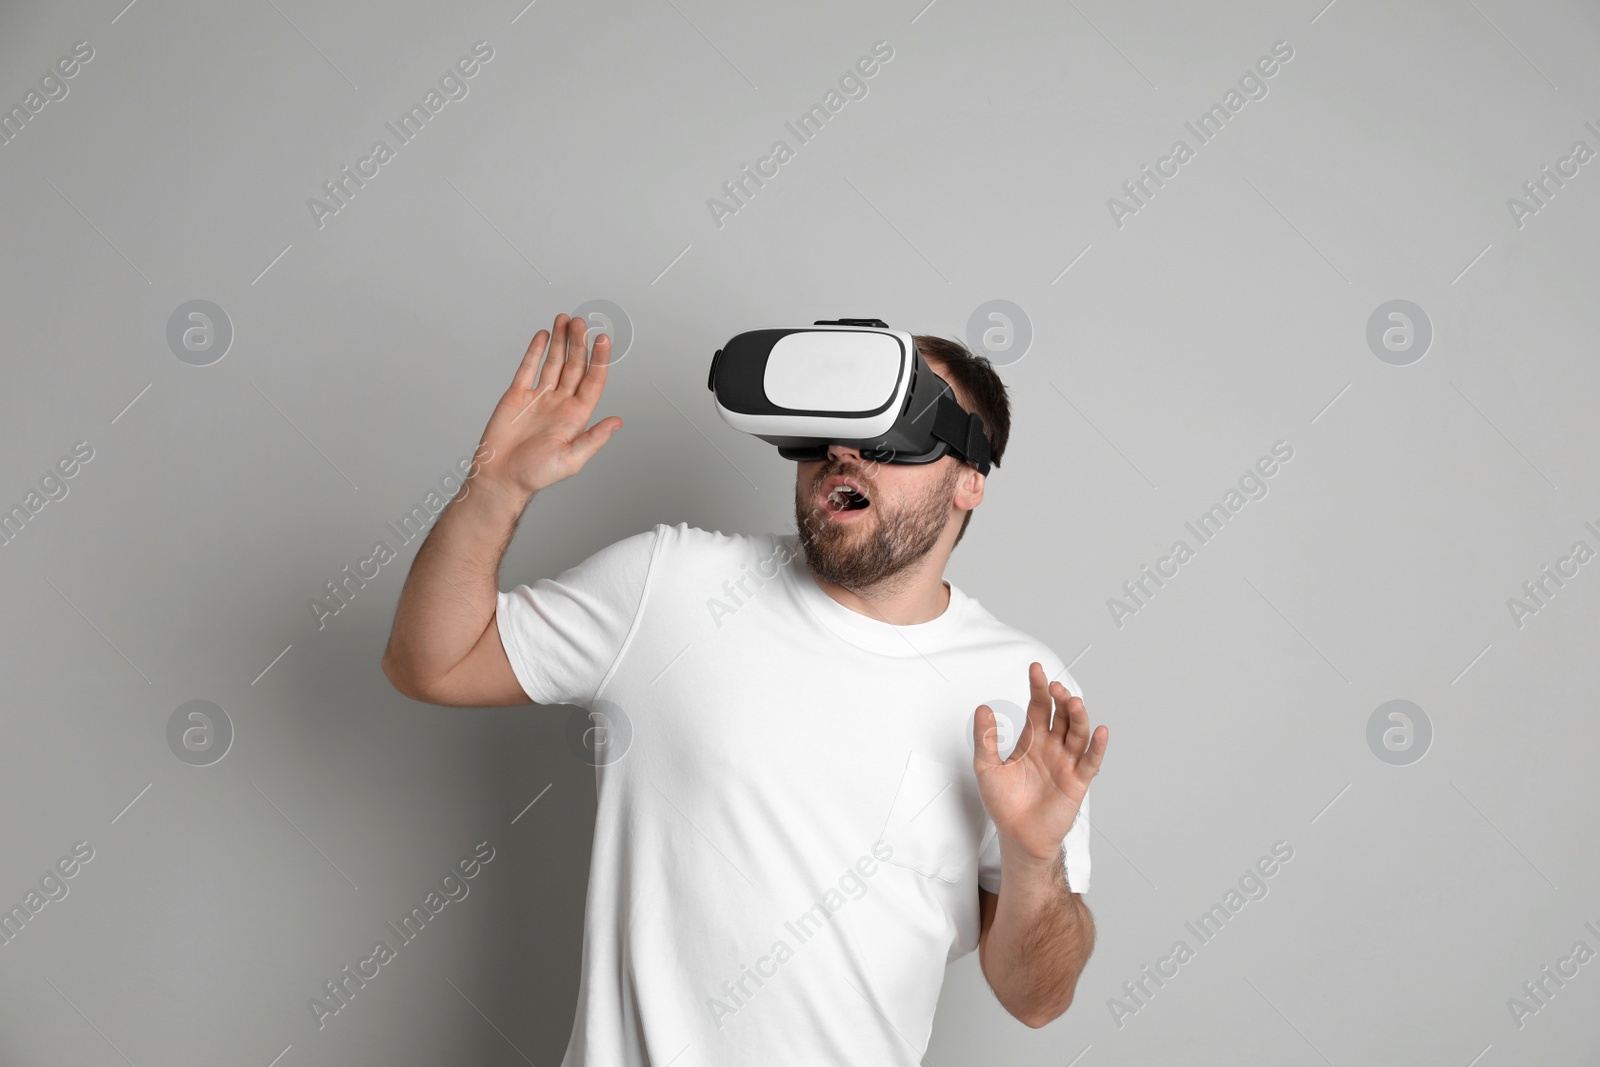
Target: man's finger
1075, 721
523, 380
595, 380
555, 353
577, 362
985, 737
1089, 765
592, 440
1037, 728
1059, 721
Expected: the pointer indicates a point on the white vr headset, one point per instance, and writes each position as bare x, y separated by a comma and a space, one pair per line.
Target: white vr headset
854, 382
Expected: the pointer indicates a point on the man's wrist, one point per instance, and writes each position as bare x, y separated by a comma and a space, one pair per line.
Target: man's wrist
493, 502
1032, 882
1025, 861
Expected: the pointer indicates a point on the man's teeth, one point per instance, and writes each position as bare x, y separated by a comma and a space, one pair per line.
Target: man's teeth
843, 497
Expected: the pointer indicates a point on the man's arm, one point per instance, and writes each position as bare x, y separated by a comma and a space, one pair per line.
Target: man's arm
1036, 936
445, 645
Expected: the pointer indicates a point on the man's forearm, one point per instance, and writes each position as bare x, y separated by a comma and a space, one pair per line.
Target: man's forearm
1040, 938
449, 596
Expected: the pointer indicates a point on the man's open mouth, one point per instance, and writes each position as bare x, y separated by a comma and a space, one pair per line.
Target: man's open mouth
842, 494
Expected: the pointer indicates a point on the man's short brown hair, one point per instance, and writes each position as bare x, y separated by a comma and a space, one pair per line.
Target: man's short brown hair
978, 389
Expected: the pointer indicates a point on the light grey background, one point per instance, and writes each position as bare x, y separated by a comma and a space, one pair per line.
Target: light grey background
1229, 313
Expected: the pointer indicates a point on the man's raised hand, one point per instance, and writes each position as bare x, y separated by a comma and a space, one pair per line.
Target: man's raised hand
539, 432
1034, 795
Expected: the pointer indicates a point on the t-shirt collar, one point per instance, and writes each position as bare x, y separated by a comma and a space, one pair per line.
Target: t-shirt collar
864, 631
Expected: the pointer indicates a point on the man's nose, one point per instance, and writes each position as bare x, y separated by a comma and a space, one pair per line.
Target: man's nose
838, 451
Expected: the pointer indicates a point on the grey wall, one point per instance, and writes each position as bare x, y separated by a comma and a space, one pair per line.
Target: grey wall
1173, 343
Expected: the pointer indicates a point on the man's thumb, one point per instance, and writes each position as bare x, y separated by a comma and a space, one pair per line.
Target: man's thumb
985, 735
590, 441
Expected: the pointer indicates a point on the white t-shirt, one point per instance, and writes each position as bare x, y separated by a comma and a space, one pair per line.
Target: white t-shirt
789, 839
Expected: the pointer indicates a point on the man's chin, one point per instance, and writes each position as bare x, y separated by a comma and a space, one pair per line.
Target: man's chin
821, 540
847, 558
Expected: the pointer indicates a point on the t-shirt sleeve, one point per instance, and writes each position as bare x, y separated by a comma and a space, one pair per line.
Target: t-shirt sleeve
1075, 854
562, 635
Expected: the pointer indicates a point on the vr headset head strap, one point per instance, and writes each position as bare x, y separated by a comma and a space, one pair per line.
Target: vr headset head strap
962, 431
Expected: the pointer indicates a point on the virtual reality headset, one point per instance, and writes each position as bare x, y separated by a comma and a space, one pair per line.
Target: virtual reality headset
852, 382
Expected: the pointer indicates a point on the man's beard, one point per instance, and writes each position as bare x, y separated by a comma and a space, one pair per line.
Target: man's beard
869, 559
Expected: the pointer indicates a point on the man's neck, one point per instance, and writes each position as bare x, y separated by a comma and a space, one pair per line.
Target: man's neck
916, 595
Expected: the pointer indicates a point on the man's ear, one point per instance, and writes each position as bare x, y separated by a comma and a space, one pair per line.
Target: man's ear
969, 488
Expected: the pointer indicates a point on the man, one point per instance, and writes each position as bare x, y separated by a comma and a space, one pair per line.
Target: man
804, 812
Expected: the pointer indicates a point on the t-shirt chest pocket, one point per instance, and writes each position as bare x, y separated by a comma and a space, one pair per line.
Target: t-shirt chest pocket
935, 822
